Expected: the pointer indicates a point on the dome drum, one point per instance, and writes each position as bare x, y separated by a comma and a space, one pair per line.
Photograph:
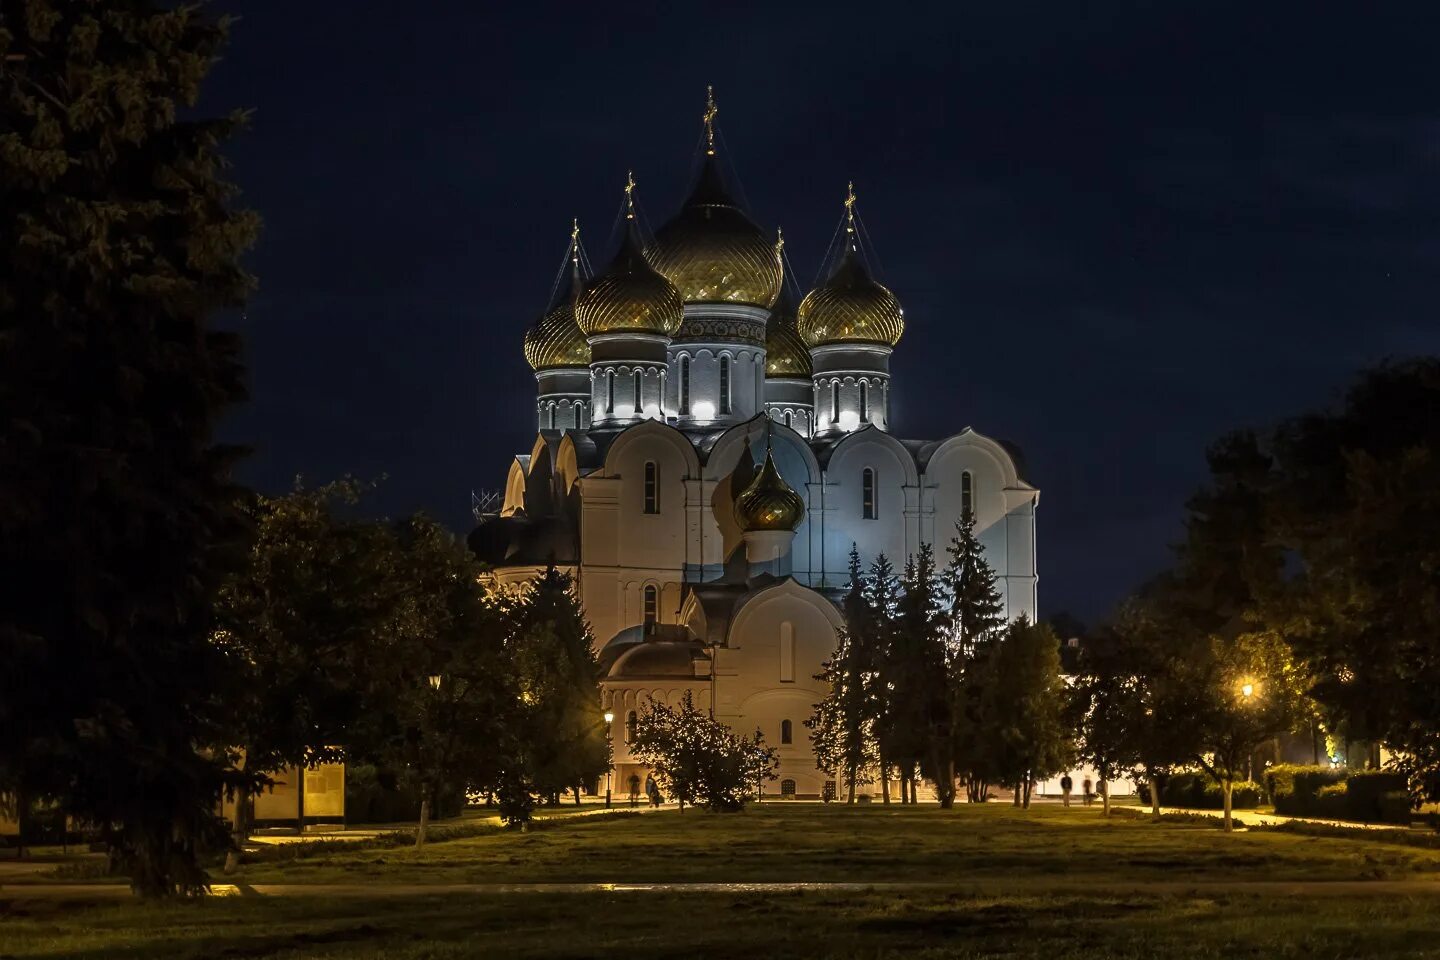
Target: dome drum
561, 382
609, 348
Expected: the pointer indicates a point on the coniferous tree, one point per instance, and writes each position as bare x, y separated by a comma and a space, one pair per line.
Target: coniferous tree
917, 731
842, 726
881, 601
976, 616
118, 244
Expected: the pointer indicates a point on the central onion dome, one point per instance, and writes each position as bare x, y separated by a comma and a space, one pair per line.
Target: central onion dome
555, 341
786, 356
851, 306
630, 297
713, 253
768, 503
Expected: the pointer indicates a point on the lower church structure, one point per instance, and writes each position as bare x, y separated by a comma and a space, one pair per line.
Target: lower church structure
708, 452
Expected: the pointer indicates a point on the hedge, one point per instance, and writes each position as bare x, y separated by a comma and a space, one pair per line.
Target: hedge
1200, 791
1333, 793
1377, 796
1293, 787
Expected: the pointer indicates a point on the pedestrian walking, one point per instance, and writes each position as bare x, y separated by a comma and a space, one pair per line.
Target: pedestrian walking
1089, 789
1066, 785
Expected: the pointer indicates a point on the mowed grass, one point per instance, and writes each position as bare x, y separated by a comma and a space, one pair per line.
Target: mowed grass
807, 842
914, 926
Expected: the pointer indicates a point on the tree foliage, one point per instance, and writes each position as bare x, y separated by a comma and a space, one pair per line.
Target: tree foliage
119, 242
698, 760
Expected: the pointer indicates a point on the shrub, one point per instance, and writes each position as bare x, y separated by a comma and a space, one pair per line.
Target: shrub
1366, 797
1200, 791
1292, 787
1330, 801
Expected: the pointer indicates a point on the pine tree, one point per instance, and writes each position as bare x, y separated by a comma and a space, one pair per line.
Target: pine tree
976, 616
881, 598
118, 243
917, 732
843, 723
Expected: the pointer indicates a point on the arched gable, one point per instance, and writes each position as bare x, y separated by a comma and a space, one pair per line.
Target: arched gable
853, 446
791, 451
971, 441
567, 465
514, 489
651, 431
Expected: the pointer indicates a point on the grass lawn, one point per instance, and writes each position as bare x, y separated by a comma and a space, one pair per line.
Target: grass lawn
1049, 883
807, 842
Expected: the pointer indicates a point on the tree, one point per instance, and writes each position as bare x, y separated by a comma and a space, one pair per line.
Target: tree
699, 760
976, 616
843, 725
915, 732
559, 678
307, 620
120, 243
1028, 703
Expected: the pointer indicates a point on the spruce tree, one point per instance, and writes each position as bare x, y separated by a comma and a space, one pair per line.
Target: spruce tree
118, 244
881, 598
917, 723
842, 726
976, 616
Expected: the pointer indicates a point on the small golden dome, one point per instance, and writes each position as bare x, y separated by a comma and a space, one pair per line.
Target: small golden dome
555, 339
786, 355
768, 503
713, 253
630, 297
850, 307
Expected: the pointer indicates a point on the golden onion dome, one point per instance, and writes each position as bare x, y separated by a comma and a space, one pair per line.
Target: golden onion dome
713, 253
630, 296
555, 339
786, 355
850, 307
768, 503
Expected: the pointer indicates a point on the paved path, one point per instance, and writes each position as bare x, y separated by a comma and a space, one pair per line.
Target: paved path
1289, 888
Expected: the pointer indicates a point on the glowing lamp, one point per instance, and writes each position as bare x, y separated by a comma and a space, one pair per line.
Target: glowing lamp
849, 421
704, 410
1247, 690
609, 717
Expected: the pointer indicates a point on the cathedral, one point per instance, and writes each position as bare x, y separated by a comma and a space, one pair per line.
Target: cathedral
709, 450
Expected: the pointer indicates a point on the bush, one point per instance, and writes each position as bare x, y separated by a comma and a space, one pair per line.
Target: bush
373, 796
1373, 796
1330, 801
1292, 787
1200, 791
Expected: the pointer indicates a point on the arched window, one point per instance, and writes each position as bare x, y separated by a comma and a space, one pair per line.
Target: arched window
639, 379
834, 401
867, 494
652, 487
684, 386
787, 789
864, 402
724, 384
787, 652
652, 605
630, 723
580, 416
967, 494
787, 732
609, 391
788, 419
551, 414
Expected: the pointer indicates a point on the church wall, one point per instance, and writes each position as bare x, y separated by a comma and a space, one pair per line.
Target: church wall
746, 382
893, 531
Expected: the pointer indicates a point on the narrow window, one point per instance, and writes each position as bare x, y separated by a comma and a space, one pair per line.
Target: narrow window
551, 413
652, 487
684, 386
724, 384
834, 401
788, 418
652, 605
580, 416
787, 732
638, 382
630, 722
967, 494
787, 652
864, 402
867, 494
609, 391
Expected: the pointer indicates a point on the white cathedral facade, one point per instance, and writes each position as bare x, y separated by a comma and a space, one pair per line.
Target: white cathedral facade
707, 454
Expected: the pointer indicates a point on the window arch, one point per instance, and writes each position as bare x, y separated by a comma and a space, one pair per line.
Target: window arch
867, 494
864, 401
967, 494
725, 384
684, 386
834, 401
652, 487
789, 418
631, 722
651, 605
639, 381
787, 732
609, 391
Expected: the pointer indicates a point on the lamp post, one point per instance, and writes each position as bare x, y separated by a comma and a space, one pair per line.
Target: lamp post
609, 742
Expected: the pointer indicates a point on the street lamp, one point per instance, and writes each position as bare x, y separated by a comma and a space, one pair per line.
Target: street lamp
609, 721
435, 681
1247, 690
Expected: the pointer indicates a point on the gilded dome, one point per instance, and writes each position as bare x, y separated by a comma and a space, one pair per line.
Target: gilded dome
555, 339
713, 253
630, 296
786, 355
768, 503
850, 307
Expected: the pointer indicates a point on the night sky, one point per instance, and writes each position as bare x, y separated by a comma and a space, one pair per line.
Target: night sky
1116, 232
